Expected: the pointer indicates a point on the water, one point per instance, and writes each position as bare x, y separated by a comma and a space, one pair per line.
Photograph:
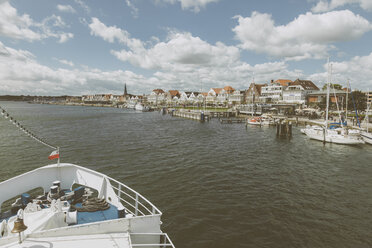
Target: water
217, 185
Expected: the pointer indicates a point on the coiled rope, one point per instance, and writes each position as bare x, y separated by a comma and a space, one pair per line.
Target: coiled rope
6, 115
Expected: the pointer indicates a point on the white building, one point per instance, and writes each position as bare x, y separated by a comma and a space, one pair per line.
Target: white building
237, 97
272, 93
156, 97
297, 91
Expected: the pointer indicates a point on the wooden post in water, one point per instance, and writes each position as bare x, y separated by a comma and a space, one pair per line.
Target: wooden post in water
284, 128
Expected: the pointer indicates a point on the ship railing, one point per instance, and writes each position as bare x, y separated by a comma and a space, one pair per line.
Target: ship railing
164, 241
134, 202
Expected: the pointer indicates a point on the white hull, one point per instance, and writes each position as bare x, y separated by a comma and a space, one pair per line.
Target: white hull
139, 107
260, 122
308, 127
254, 123
131, 105
367, 137
333, 137
49, 226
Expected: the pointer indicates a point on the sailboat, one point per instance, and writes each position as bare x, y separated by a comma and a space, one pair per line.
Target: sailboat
366, 135
337, 136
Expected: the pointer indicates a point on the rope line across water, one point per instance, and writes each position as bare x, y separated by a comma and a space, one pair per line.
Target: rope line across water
6, 115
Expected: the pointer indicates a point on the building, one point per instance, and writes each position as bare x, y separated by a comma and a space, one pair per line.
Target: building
297, 91
98, 98
172, 97
237, 97
212, 96
74, 99
319, 97
283, 82
252, 95
157, 96
273, 93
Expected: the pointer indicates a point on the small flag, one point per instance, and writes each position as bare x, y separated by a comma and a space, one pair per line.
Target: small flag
54, 155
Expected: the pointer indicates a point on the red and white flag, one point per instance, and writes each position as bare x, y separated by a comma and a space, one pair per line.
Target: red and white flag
54, 155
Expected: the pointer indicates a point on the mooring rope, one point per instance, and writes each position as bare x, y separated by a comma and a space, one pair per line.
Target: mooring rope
6, 115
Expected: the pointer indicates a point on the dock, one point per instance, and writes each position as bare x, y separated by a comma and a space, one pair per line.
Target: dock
199, 116
231, 120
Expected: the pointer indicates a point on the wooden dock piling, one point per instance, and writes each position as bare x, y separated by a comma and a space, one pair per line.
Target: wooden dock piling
284, 128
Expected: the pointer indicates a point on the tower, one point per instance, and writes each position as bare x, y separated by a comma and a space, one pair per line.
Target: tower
125, 90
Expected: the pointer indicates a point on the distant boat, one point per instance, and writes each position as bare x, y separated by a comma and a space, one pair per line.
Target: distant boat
140, 107
366, 135
260, 121
131, 105
256, 121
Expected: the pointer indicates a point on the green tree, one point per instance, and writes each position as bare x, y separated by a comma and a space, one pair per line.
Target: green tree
360, 99
335, 86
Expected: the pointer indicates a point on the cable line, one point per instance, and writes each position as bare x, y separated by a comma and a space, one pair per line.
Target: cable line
6, 115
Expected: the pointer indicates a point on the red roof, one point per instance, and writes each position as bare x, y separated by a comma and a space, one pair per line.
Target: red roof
283, 82
174, 92
306, 84
217, 90
229, 89
158, 91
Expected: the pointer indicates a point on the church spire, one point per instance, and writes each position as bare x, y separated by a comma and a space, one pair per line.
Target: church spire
125, 90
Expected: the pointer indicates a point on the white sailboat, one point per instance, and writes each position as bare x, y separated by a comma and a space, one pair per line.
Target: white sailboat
337, 136
139, 107
366, 135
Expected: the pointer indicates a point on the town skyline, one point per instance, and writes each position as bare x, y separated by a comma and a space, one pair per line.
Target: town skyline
78, 48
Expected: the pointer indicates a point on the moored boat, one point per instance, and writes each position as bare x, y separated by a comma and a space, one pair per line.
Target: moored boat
367, 137
260, 121
333, 136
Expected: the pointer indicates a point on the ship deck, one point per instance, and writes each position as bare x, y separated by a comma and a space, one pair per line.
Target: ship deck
119, 240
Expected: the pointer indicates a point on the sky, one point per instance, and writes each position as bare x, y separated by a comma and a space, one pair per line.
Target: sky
77, 47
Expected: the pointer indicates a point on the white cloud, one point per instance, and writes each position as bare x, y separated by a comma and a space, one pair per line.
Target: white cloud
324, 5
15, 26
308, 36
83, 5
65, 62
193, 5
110, 34
20, 73
357, 70
66, 8
133, 8
186, 62
180, 52
65, 37
22, 27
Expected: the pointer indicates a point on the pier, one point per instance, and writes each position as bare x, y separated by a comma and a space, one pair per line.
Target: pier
199, 116
284, 129
231, 120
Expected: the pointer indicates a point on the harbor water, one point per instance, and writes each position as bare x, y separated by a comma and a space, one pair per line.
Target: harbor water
218, 185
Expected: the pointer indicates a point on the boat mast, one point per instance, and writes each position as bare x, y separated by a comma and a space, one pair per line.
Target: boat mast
368, 109
328, 76
347, 97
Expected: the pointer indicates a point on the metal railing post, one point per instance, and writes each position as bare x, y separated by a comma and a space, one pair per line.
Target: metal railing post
136, 210
119, 190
